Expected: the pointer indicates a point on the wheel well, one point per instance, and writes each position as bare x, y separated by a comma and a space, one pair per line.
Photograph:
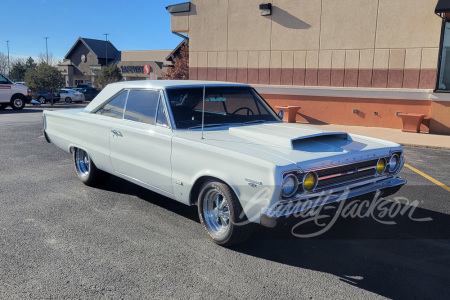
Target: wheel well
17, 95
196, 188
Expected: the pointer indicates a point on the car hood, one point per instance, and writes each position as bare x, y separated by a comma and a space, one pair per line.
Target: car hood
287, 144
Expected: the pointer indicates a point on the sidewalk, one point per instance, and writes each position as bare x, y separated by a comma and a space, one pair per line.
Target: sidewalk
394, 135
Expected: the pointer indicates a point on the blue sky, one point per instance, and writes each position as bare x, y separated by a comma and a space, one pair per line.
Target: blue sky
131, 24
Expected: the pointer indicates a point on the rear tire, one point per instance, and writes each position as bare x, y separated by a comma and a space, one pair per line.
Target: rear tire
86, 170
42, 100
221, 214
17, 103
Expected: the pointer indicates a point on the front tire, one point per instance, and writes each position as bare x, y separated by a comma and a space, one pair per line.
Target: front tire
221, 214
68, 100
17, 103
42, 100
86, 170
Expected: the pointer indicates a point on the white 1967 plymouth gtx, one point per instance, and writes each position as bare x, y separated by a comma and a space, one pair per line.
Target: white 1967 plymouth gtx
221, 147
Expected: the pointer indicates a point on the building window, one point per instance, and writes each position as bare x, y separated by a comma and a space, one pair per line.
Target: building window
79, 82
444, 68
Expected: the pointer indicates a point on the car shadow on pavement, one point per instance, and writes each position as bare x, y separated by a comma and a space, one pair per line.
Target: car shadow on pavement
23, 111
41, 108
405, 260
119, 185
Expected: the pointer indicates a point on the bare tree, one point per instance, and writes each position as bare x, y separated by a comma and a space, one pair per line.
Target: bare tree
52, 61
3, 63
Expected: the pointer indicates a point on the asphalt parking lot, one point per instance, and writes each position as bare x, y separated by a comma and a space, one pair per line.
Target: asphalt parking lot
63, 240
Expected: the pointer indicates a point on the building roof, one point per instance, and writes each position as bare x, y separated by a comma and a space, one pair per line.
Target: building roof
176, 51
144, 55
98, 47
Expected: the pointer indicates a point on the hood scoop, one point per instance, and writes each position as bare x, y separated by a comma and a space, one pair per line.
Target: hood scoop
287, 137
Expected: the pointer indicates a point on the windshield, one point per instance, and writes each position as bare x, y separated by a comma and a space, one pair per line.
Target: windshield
223, 105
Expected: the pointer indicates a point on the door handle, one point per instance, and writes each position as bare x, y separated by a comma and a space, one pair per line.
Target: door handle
117, 133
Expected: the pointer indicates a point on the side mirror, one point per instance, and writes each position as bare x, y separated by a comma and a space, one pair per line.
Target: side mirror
281, 113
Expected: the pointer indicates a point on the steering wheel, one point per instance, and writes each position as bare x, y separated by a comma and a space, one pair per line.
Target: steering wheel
249, 110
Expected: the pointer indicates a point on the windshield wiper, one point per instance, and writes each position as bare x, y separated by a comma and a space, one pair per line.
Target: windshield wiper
204, 126
254, 121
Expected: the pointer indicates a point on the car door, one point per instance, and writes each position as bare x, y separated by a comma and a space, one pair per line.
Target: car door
140, 145
5, 89
63, 94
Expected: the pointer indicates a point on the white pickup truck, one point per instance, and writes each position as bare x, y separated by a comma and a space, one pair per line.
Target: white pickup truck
14, 95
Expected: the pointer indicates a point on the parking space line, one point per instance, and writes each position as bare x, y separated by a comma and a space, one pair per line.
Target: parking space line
437, 182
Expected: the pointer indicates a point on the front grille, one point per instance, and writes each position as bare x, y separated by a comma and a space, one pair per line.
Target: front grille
342, 175
346, 168
335, 181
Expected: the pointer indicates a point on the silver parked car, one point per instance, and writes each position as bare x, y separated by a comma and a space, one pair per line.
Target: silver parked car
70, 95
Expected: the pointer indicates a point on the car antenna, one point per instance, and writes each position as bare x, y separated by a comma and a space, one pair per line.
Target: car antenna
203, 109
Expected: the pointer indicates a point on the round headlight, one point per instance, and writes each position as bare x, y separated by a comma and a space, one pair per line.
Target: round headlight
394, 163
309, 181
289, 186
381, 166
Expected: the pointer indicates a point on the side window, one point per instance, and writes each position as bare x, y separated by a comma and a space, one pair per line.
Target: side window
161, 117
115, 107
3, 80
141, 106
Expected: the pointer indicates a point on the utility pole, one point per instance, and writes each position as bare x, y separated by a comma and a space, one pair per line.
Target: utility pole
7, 46
106, 47
46, 47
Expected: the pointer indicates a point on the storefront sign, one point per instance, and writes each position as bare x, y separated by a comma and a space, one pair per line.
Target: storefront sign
136, 69
95, 70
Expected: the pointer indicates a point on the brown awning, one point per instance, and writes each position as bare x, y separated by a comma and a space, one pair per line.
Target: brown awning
442, 6
176, 8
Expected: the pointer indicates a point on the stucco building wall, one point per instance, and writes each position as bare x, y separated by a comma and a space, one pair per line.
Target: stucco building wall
352, 43
361, 44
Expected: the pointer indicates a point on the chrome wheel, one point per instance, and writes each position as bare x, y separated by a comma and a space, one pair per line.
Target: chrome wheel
42, 100
221, 214
82, 162
18, 102
216, 212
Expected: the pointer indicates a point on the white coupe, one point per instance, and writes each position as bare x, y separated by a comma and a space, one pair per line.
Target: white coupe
221, 147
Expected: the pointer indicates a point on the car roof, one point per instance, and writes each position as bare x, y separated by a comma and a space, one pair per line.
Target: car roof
113, 88
172, 83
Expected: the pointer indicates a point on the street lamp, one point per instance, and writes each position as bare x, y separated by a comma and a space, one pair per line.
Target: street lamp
106, 46
46, 47
7, 46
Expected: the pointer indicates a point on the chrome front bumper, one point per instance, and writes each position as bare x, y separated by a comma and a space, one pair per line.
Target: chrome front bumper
284, 209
